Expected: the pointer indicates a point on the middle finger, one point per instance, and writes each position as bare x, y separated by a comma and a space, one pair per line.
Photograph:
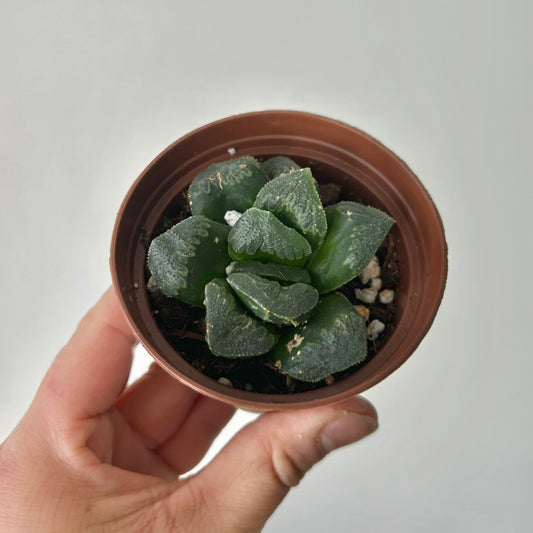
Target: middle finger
156, 405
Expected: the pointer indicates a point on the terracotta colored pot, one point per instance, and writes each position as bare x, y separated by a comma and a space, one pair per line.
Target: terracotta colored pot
344, 154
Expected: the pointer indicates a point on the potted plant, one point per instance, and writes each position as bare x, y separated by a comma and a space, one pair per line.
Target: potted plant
275, 150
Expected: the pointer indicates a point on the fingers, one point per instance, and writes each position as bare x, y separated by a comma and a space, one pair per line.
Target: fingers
156, 405
175, 422
271, 455
130, 453
184, 450
92, 369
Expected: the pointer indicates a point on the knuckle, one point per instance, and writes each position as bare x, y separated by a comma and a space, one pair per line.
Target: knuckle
290, 460
287, 468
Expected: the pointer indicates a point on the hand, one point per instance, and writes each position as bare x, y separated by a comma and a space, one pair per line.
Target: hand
91, 456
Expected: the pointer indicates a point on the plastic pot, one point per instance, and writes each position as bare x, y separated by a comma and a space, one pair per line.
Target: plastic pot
343, 154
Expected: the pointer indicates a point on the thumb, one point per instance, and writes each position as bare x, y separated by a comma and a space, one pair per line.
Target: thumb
253, 473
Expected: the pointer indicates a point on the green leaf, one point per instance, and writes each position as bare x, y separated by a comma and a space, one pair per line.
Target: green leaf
274, 271
259, 235
294, 199
187, 256
228, 186
332, 340
278, 165
355, 232
272, 302
230, 332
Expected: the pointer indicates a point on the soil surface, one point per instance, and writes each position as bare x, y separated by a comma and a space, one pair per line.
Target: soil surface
184, 326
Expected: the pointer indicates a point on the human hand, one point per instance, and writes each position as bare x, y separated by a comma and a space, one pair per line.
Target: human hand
90, 455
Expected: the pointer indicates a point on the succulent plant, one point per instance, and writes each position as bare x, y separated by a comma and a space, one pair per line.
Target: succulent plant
267, 281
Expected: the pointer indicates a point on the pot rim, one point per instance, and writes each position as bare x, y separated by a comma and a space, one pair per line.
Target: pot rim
264, 401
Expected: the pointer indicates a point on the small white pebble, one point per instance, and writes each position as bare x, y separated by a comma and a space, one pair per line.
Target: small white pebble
232, 151
225, 381
376, 284
368, 296
230, 267
329, 380
363, 312
136, 285
231, 217
374, 329
372, 270
151, 286
386, 296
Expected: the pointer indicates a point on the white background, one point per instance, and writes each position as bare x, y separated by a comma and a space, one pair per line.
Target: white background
90, 92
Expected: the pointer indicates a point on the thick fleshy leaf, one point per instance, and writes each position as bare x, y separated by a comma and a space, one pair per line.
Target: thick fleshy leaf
230, 331
283, 273
260, 236
294, 199
332, 340
228, 186
272, 302
278, 165
187, 256
355, 232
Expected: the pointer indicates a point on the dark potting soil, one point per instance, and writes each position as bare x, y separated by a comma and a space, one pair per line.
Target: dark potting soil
184, 326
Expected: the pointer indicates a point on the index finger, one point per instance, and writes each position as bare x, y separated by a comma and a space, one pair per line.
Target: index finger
90, 372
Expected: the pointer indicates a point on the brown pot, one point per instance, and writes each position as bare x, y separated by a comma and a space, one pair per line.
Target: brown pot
344, 154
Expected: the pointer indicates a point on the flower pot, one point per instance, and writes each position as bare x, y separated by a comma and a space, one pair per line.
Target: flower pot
334, 150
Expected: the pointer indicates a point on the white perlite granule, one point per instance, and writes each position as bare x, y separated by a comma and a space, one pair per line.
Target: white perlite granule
371, 271
230, 267
231, 217
368, 296
152, 286
386, 296
232, 151
363, 311
376, 284
225, 381
374, 329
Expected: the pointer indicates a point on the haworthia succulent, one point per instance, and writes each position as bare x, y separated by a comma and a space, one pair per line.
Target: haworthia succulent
230, 331
187, 256
332, 340
355, 232
283, 273
294, 199
260, 236
272, 302
278, 165
228, 186
267, 290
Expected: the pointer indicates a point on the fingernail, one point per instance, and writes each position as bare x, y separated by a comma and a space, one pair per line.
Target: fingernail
347, 429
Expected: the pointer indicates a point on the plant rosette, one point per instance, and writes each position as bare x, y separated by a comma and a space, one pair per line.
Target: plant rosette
264, 257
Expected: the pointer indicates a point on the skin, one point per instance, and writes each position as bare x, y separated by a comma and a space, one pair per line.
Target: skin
92, 455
